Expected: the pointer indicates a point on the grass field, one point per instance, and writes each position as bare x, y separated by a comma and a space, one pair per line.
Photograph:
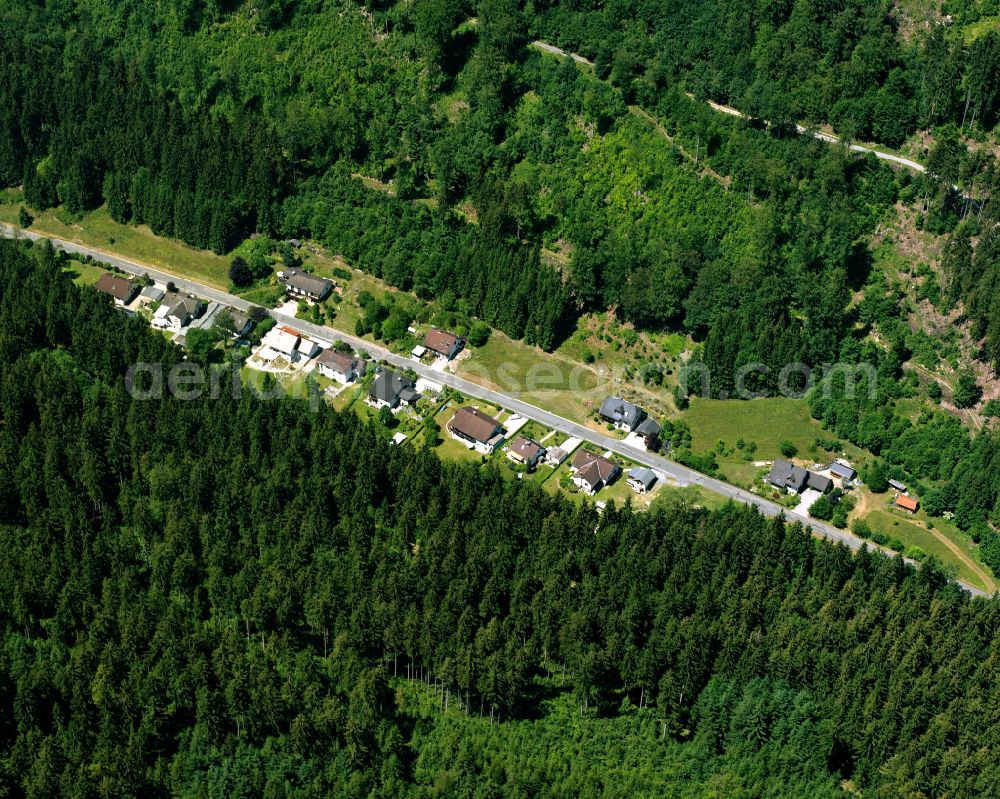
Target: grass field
83, 274
690, 495
912, 532
96, 229
765, 421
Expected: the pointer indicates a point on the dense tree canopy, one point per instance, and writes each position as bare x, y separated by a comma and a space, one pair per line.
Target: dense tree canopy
446, 156
214, 596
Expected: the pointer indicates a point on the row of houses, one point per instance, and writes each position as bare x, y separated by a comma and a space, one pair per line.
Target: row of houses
796, 479
173, 310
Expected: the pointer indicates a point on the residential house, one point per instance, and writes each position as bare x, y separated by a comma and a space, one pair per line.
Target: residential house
177, 311
526, 452
339, 366
591, 472
909, 504
120, 289
282, 340
307, 348
303, 284
623, 415
242, 324
442, 343
649, 429
391, 390
477, 430
819, 482
842, 471
641, 479
795, 479
555, 456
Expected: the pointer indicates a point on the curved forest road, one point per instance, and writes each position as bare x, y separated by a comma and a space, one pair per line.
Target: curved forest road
735, 112
682, 475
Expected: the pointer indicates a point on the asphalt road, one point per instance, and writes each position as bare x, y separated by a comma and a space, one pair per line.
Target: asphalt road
681, 474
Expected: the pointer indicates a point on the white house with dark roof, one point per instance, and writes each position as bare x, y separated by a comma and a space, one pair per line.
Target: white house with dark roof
120, 289
795, 479
641, 479
391, 390
177, 311
339, 366
477, 430
591, 472
302, 284
623, 415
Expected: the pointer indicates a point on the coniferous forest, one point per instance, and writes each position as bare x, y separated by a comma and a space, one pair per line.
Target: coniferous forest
430, 144
248, 597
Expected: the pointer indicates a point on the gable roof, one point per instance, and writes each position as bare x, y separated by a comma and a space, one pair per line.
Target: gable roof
391, 387
440, 341
154, 293
787, 475
475, 424
118, 287
182, 305
280, 339
907, 503
303, 281
339, 362
648, 427
640, 474
240, 321
593, 468
842, 471
818, 481
526, 448
618, 410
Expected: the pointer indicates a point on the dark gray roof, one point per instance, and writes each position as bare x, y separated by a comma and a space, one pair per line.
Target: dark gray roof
643, 475
649, 427
819, 482
181, 305
786, 475
240, 321
839, 469
303, 281
392, 388
618, 410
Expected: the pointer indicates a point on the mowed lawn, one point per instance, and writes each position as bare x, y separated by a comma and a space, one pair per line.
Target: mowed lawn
767, 421
98, 230
83, 274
